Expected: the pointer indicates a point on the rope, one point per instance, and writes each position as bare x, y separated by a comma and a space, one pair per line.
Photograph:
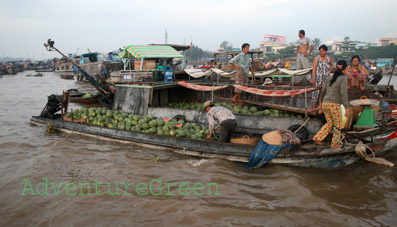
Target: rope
360, 149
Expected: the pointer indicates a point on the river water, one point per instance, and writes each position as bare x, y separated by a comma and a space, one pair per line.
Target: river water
362, 194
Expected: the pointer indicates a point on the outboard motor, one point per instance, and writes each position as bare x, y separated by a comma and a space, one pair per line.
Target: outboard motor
53, 105
376, 78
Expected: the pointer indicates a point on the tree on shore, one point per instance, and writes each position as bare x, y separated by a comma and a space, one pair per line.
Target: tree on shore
198, 53
316, 43
226, 46
374, 52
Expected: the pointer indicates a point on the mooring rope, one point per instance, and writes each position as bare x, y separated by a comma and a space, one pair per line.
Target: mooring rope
360, 148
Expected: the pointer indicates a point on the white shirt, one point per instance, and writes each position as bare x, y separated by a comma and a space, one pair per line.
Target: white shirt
305, 40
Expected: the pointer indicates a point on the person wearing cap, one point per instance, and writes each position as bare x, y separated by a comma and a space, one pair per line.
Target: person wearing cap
227, 121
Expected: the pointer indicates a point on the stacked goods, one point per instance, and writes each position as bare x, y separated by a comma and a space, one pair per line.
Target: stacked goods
238, 109
186, 105
120, 120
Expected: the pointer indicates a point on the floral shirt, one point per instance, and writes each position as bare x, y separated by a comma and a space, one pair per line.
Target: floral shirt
218, 113
356, 77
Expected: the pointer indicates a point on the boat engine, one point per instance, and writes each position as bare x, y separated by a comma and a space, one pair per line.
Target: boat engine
376, 78
53, 105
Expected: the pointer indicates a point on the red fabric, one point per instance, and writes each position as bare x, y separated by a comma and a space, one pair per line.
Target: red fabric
205, 67
274, 93
201, 87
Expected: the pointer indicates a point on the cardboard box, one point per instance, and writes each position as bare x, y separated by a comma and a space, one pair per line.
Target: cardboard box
147, 64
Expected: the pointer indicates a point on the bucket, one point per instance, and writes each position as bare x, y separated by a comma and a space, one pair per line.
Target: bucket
157, 76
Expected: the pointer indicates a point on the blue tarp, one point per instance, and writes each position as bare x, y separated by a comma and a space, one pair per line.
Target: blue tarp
264, 153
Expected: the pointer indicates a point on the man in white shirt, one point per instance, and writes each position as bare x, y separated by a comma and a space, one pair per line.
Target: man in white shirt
302, 54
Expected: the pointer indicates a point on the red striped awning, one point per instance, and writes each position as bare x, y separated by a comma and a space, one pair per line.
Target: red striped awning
201, 87
275, 93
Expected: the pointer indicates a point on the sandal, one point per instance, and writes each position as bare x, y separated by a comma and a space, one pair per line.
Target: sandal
317, 142
338, 146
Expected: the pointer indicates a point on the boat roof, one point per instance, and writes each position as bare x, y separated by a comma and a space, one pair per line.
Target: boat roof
237, 52
90, 54
149, 51
177, 47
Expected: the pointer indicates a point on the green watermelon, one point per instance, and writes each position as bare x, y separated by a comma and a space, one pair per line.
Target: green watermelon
253, 109
153, 123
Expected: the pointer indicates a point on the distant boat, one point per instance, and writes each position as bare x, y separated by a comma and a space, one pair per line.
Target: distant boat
44, 70
79, 98
67, 76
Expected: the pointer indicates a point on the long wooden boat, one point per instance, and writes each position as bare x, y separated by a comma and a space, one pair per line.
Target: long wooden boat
79, 98
44, 70
302, 156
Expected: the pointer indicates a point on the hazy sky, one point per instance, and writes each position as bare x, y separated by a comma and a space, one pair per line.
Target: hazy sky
108, 25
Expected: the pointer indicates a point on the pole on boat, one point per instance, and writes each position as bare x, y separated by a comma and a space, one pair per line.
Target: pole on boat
108, 101
212, 98
306, 102
392, 71
142, 63
304, 123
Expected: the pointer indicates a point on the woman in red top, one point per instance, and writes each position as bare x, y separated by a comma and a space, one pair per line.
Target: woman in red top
356, 74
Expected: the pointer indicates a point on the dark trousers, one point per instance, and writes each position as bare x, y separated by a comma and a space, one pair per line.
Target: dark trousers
226, 130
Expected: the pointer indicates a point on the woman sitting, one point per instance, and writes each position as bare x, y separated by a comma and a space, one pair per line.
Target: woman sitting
356, 74
333, 94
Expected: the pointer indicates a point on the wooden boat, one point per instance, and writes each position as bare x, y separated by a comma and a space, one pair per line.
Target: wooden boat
302, 156
79, 98
44, 70
67, 76
146, 99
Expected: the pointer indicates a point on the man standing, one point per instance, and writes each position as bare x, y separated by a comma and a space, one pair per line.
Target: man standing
226, 119
242, 64
302, 60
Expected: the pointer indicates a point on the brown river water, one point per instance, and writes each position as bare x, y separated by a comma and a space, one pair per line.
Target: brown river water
362, 194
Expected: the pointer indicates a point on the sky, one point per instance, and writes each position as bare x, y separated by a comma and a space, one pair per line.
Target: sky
103, 26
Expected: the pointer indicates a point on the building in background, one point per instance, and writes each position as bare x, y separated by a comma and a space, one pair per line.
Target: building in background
273, 43
387, 41
338, 47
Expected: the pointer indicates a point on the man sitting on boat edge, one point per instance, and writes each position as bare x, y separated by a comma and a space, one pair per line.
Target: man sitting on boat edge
227, 121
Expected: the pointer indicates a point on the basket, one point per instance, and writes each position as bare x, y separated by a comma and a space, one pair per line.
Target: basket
245, 140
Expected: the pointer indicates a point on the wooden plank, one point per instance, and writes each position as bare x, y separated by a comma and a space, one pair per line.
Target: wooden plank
164, 97
275, 106
133, 100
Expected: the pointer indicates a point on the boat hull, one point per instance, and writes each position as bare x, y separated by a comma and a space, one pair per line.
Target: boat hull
82, 100
325, 158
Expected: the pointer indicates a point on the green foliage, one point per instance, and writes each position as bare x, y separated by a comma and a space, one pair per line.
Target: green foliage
226, 46
316, 43
374, 52
289, 51
198, 53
